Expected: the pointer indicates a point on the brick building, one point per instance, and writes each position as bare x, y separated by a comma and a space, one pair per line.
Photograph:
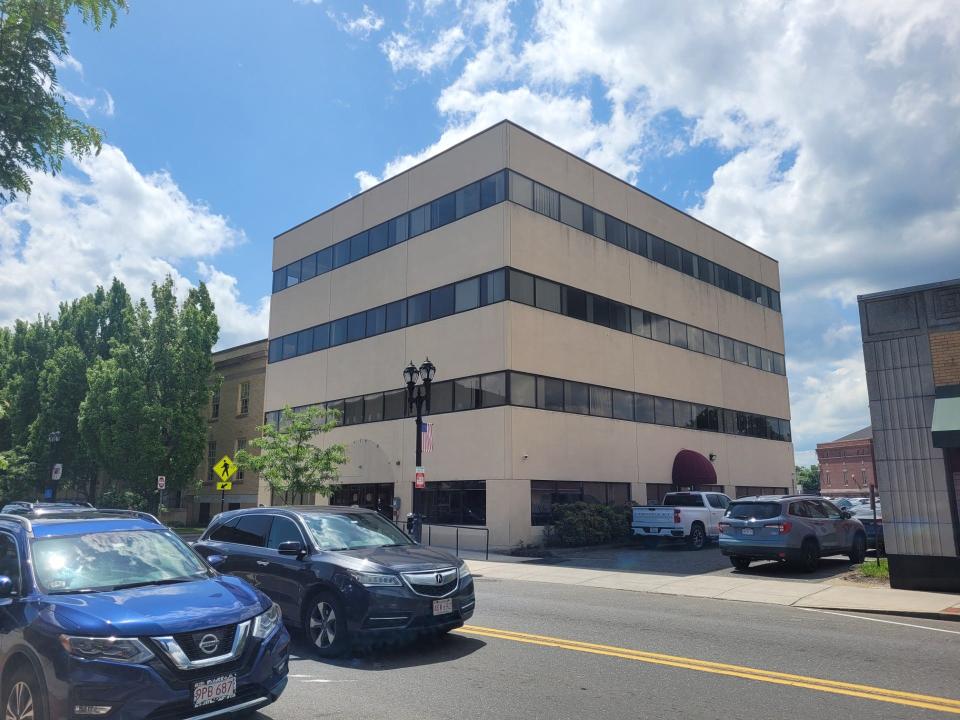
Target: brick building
846, 465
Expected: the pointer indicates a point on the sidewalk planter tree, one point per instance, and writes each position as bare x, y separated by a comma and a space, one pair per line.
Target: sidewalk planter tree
289, 461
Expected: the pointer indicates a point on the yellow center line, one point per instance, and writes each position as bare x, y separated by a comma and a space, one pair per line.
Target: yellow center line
868, 692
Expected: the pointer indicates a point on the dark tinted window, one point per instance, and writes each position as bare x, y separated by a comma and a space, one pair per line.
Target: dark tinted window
225, 532
379, 237
711, 343
663, 411
640, 322
441, 302
398, 229
598, 310
616, 231
636, 240
356, 327
753, 510
419, 220
418, 308
547, 295
441, 397
571, 212
321, 337
740, 352
324, 260
276, 350
643, 408
396, 315
394, 404
373, 407
601, 401
683, 414
293, 273
353, 411
619, 317
694, 339
726, 348
279, 279
521, 287
671, 255
468, 200
465, 393
289, 346
622, 405
376, 321
714, 501
359, 246
521, 190
523, 390
678, 334
444, 210
549, 394
304, 342
308, 267
338, 332
576, 397
341, 253
656, 248
683, 500
283, 530
493, 389
491, 190
661, 328
575, 303
688, 263
493, 287
467, 295
252, 530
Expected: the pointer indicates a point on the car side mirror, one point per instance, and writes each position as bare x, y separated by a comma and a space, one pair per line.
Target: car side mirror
846, 514
6, 587
216, 560
290, 547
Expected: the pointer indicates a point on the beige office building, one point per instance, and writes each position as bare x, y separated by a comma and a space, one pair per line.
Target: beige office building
591, 342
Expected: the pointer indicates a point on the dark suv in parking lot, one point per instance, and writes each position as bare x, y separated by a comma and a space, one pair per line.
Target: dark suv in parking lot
109, 614
342, 573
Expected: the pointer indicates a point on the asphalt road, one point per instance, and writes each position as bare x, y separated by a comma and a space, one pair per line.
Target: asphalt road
534, 670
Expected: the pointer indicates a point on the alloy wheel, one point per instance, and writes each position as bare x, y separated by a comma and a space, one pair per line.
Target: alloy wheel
19, 703
323, 625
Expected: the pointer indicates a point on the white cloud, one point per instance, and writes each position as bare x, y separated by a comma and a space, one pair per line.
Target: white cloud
838, 129
361, 26
69, 62
403, 51
84, 104
108, 106
105, 219
239, 322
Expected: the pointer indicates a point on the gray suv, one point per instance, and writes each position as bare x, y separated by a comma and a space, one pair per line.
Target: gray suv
799, 529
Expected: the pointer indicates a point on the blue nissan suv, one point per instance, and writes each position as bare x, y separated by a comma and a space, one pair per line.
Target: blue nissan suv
108, 614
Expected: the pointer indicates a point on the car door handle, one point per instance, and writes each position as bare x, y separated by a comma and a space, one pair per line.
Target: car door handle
263, 563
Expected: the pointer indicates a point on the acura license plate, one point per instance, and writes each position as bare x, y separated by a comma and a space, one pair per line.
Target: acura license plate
443, 607
208, 692
746, 531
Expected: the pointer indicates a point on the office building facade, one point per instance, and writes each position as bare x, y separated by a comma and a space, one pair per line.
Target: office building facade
590, 340
911, 349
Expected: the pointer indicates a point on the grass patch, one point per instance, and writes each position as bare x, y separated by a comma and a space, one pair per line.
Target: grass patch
188, 531
872, 569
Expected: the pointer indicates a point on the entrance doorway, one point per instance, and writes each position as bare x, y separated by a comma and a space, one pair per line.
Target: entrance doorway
373, 496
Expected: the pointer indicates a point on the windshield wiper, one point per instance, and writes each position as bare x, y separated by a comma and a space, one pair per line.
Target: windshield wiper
145, 583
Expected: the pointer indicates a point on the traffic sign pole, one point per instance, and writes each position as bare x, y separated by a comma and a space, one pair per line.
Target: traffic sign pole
222, 495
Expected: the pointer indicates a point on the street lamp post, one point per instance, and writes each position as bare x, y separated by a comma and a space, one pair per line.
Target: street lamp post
418, 394
53, 438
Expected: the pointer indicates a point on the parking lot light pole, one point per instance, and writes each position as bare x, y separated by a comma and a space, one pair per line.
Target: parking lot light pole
418, 394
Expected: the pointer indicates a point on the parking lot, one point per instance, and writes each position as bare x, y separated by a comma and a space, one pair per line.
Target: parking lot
675, 559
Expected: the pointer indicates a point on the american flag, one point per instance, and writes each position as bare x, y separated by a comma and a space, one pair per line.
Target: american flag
426, 440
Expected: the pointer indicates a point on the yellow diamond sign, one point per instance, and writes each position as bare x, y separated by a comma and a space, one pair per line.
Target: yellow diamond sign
225, 468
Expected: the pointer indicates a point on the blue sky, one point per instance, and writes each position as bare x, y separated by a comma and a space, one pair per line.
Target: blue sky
822, 137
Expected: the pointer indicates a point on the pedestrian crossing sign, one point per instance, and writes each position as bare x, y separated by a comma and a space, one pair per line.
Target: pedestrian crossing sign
224, 485
225, 468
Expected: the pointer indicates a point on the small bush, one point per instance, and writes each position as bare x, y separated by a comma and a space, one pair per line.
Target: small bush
122, 500
581, 523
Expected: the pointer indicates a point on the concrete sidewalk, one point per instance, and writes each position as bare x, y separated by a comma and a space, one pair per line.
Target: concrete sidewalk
820, 595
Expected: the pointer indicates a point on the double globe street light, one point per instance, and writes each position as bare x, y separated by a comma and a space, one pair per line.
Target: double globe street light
418, 394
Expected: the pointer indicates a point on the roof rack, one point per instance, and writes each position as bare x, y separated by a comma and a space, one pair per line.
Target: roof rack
130, 513
19, 519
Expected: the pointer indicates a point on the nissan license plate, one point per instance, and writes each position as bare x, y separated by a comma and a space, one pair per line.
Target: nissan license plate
746, 531
208, 692
443, 607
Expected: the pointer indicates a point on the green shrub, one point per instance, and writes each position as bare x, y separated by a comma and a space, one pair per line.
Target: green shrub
123, 500
583, 523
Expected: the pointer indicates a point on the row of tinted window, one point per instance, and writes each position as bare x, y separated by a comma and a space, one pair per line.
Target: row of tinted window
434, 304
553, 204
523, 390
569, 301
521, 287
453, 206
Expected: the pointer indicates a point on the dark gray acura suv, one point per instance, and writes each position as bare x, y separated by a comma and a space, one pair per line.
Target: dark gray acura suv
341, 574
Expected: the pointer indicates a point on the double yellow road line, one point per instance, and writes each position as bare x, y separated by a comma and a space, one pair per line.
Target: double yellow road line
866, 692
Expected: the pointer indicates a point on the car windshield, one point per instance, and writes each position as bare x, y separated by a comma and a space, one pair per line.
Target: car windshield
754, 510
104, 561
352, 531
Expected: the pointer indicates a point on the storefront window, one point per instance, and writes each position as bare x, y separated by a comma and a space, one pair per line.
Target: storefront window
461, 502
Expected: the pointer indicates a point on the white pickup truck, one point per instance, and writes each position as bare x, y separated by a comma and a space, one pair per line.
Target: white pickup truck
694, 516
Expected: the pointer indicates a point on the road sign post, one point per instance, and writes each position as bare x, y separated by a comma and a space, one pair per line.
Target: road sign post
161, 486
224, 468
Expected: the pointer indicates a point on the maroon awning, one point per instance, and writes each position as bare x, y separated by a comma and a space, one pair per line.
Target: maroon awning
692, 468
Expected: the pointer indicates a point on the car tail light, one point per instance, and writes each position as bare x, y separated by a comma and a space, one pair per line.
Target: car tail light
724, 527
676, 516
782, 528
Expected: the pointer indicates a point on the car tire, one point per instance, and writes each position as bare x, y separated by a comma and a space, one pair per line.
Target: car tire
22, 697
809, 558
697, 539
325, 624
740, 563
858, 551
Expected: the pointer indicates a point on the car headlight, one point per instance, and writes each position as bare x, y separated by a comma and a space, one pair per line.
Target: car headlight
375, 579
127, 650
464, 571
265, 623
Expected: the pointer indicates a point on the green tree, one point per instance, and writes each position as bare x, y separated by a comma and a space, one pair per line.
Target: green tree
289, 461
35, 129
808, 478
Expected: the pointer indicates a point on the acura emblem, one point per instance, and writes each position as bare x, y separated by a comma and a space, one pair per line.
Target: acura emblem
209, 644
439, 578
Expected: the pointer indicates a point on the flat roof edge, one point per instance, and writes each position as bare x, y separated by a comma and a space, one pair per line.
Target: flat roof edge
909, 290
511, 123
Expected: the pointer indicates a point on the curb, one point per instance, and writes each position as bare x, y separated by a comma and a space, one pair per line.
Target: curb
950, 616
